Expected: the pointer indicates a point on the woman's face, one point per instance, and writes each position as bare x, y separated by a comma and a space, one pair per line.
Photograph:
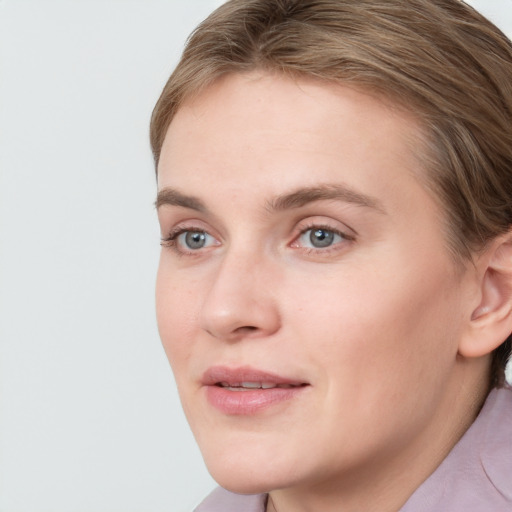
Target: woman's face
305, 296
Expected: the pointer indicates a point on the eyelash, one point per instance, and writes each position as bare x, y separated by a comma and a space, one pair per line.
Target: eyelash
171, 241
314, 227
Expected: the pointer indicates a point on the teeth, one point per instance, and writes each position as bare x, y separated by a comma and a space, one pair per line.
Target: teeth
251, 385
237, 386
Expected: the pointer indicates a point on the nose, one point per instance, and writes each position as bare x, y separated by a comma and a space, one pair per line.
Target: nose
241, 300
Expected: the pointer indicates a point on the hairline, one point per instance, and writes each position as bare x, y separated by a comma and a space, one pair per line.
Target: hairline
420, 142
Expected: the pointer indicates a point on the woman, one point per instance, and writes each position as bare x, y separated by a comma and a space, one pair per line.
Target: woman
335, 285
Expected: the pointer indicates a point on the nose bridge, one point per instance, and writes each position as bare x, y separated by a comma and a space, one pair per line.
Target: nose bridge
240, 300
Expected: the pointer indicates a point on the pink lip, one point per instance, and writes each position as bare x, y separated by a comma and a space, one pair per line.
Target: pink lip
224, 389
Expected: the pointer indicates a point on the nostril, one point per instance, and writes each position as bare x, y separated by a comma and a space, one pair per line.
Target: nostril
247, 328
236, 332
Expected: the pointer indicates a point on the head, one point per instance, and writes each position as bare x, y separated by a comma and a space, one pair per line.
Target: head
439, 59
435, 77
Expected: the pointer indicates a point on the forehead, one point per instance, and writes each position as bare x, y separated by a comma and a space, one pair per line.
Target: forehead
272, 133
250, 140
240, 109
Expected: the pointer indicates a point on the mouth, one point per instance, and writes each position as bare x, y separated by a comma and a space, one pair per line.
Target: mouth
247, 391
247, 386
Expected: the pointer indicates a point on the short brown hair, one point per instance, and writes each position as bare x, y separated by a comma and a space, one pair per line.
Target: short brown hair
440, 59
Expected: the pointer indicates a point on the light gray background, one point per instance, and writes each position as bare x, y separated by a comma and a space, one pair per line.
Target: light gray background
89, 418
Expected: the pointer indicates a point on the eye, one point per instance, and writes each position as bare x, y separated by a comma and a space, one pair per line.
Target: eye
194, 240
186, 241
318, 237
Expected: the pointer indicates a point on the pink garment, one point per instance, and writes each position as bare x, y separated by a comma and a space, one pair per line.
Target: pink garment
476, 476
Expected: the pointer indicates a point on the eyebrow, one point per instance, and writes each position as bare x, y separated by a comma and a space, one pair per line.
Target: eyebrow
303, 196
173, 197
295, 199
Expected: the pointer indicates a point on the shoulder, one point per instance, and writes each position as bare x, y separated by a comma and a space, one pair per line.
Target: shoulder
496, 452
221, 500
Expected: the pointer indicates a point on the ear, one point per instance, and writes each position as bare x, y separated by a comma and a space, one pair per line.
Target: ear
491, 320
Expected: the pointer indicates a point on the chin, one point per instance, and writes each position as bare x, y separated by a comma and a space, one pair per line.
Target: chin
240, 485
242, 476
253, 455
253, 481
251, 473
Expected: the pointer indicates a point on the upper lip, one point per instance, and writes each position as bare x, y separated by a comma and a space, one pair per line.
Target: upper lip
235, 376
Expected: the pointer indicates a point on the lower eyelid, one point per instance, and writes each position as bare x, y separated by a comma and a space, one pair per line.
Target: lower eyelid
172, 240
175, 241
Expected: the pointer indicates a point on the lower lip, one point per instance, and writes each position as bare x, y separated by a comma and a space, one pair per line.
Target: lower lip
251, 401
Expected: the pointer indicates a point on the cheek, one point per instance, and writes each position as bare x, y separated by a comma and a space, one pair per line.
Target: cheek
176, 316
382, 348
384, 325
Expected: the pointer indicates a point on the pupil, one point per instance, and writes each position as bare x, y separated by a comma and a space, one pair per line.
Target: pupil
321, 238
195, 240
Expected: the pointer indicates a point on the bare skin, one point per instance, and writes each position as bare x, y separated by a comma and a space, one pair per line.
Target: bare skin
299, 241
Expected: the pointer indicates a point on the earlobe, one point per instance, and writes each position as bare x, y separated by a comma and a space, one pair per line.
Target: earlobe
491, 320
